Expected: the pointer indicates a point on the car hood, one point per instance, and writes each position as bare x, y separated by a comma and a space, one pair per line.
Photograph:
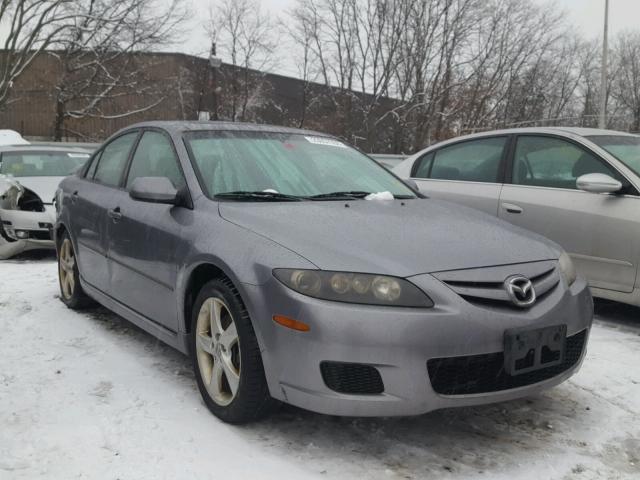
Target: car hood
44, 187
401, 238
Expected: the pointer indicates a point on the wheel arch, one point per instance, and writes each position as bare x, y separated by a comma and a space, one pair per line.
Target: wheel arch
199, 274
59, 229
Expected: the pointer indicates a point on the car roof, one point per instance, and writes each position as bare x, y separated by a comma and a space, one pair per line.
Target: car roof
579, 131
562, 131
199, 125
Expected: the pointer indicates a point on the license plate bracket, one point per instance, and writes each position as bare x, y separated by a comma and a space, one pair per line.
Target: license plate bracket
527, 349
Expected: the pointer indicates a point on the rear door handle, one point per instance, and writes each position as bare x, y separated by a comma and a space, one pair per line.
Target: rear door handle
115, 214
511, 208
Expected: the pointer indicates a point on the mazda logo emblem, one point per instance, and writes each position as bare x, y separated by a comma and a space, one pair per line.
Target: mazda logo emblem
520, 291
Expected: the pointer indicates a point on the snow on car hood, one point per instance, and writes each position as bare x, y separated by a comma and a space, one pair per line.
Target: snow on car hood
44, 187
400, 238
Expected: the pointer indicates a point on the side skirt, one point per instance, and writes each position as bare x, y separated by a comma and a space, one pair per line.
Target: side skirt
631, 298
179, 341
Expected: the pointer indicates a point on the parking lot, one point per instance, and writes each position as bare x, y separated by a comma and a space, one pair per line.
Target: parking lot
87, 395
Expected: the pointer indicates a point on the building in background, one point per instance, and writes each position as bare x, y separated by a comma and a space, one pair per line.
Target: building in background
173, 86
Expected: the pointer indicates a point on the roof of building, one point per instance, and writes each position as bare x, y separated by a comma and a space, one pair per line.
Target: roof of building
42, 148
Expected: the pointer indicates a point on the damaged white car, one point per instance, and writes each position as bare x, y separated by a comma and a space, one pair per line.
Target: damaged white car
29, 177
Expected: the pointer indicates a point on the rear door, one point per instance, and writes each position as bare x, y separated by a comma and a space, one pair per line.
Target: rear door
469, 172
88, 211
599, 231
144, 238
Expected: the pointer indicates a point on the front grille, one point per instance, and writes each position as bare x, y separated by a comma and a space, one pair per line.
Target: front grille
485, 286
485, 373
354, 378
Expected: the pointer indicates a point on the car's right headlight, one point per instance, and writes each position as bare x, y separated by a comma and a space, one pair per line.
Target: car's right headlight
567, 269
351, 287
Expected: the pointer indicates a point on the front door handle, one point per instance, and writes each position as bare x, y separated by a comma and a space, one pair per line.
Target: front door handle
115, 214
511, 208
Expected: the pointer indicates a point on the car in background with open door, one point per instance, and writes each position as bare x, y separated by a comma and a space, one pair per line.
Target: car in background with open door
577, 186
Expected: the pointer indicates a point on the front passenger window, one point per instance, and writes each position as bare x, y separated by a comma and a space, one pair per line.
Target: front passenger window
471, 161
553, 162
113, 160
154, 157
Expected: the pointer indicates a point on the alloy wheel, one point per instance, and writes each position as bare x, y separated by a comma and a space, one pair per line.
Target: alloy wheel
218, 351
66, 267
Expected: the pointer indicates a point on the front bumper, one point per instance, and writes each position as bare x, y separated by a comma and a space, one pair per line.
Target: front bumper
398, 342
24, 230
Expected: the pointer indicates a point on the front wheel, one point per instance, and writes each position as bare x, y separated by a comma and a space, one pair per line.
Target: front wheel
226, 357
71, 292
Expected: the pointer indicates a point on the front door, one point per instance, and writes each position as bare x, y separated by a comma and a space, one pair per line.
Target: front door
145, 238
599, 231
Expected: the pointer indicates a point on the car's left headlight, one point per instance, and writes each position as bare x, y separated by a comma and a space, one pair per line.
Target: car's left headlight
10, 193
566, 267
354, 287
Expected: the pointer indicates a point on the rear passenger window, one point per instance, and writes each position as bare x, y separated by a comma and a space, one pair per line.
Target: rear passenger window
471, 161
553, 162
154, 157
113, 160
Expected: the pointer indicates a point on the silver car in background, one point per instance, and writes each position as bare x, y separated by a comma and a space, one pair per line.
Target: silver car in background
29, 177
577, 186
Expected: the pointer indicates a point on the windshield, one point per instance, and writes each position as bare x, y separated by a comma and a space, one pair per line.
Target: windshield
41, 164
626, 149
286, 164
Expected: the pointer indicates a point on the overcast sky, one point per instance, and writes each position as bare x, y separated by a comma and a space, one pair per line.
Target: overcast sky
586, 15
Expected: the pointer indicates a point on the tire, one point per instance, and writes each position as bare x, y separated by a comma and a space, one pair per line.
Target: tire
71, 292
228, 368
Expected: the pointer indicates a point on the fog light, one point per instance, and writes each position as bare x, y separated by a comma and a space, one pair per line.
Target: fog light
22, 234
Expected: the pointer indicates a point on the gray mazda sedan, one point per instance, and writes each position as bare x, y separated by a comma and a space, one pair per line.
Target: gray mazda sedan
291, 267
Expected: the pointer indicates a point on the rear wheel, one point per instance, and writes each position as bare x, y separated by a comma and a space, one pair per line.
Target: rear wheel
71, 292
226, 357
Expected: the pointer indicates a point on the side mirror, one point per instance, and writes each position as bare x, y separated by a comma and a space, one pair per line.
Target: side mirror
154, 190
411, 184
598, 183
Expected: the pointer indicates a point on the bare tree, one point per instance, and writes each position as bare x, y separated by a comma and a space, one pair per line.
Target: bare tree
245, 37
301, 36
31, 27
98, 62
626, 88
353, 48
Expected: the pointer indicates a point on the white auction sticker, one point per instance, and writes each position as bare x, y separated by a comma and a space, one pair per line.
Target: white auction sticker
330, 142
78, 155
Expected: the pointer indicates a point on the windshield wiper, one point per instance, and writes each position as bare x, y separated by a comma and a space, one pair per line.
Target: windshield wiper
348, 195
258, 195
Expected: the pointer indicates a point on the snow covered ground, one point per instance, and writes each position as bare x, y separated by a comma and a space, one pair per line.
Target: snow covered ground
87, 395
